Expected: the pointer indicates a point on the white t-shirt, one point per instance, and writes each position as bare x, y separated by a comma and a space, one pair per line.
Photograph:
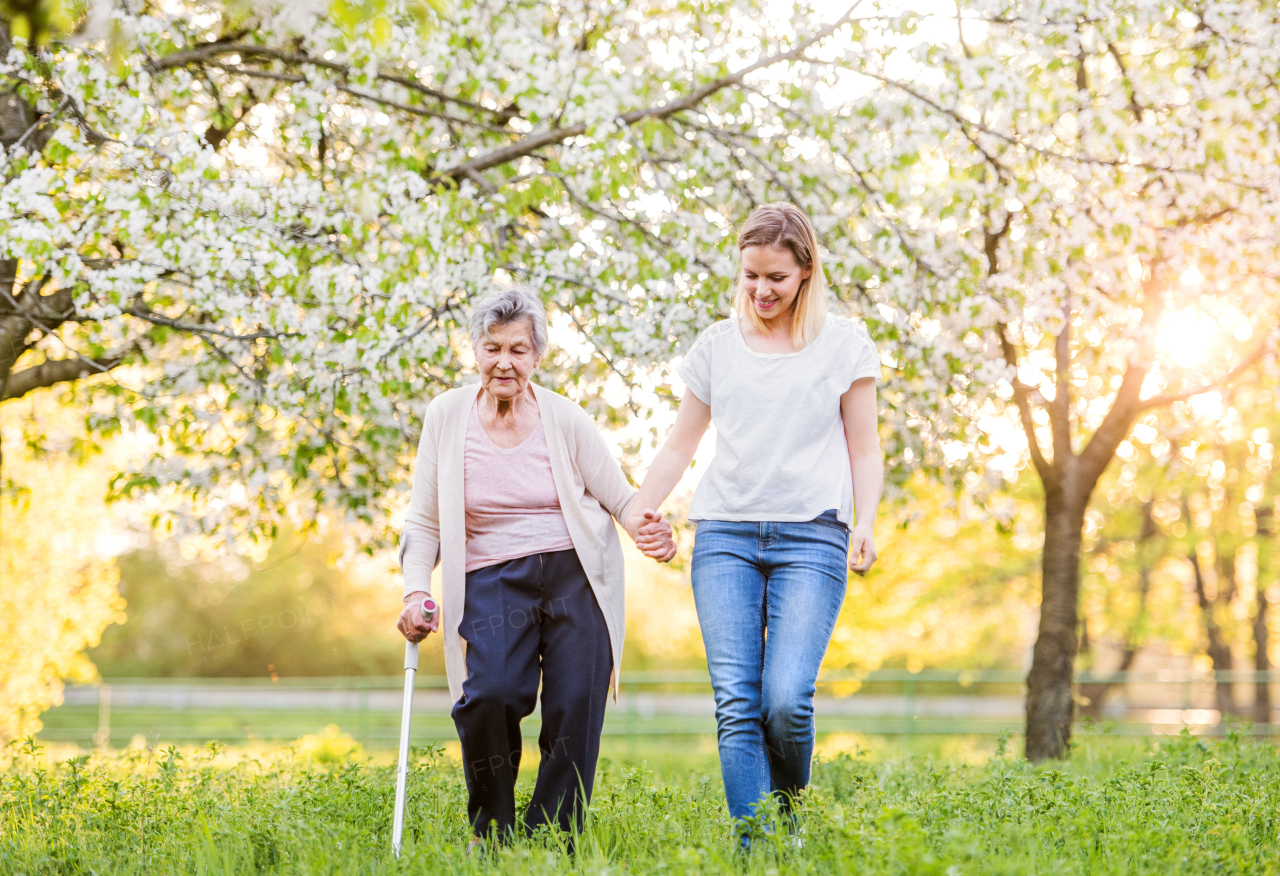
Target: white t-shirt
781, 453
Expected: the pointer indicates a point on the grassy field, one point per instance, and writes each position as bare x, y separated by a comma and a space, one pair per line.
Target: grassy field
320, 806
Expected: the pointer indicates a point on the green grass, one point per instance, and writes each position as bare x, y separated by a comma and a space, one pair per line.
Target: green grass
1180, 806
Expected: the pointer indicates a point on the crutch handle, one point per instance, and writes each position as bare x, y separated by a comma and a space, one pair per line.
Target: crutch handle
411, 656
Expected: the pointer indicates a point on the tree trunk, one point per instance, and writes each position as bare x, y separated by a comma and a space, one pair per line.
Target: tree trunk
18, 119
10, 344
1050, 706
1261, 662
1218, 650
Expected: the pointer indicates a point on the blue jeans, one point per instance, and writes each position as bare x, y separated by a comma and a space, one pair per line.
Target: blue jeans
787, 579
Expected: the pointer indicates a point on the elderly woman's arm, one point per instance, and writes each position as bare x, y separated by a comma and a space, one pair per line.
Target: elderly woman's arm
420, 541
603, 479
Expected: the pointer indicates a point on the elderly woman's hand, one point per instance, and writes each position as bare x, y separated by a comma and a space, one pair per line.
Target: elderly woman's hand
652, 534
411, 624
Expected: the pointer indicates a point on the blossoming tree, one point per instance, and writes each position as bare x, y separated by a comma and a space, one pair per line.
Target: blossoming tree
263, 230
1101, 202
285, 226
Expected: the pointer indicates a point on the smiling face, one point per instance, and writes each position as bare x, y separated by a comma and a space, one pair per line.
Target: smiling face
771, 277
507, 357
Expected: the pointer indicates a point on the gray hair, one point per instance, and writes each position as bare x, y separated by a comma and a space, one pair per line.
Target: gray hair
508, 305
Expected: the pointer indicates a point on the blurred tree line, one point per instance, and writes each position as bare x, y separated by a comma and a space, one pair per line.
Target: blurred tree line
294, 614
1181, 546
945, 598
1179, 559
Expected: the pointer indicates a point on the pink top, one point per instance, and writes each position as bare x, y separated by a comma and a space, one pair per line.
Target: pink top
512, 507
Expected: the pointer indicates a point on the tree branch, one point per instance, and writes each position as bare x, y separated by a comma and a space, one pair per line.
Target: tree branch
28, 308
1134, 106
1060, 407
159, 319
1114, 427
254, 72
968, 53
218, 50
731, 143
621, 219
1262, 351
209, 53
533, 142
420, 111
1021, 398
53, 371
1021, 392
1082, 158
38, 125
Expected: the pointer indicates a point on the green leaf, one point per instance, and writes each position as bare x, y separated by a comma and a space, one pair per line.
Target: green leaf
56, 152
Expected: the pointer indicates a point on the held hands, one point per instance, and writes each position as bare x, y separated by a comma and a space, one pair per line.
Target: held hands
411, 623
862, 550
652, 534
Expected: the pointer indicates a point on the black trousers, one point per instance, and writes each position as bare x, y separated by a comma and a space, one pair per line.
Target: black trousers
524, 620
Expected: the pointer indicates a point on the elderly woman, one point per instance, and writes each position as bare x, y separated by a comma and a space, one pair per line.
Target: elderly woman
515, 495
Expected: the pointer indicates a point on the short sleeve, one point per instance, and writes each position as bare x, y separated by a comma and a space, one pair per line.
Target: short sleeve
695, 368
860, 355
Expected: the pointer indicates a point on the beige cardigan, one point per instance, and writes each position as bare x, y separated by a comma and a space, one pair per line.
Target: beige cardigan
592, 492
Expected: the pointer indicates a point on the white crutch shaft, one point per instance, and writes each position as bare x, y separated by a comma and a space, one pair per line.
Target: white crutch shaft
402, 763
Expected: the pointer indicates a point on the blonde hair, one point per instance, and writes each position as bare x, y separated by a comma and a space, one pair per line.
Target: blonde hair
785, 226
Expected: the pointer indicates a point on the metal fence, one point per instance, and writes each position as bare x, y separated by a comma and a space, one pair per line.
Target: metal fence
651, 704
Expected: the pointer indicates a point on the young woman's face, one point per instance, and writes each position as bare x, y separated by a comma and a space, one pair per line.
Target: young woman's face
507, 357
771, 277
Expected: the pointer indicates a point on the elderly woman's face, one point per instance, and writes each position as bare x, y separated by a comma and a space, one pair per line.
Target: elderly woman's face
507, 356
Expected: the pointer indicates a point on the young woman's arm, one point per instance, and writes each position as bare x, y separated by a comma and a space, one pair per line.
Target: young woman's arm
861, 429
669, 465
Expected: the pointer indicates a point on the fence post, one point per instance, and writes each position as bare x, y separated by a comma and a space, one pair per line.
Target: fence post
631, 721
102, 738
364, 714
910, 699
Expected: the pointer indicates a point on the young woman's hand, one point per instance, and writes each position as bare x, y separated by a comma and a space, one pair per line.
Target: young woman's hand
411, 623
862, 550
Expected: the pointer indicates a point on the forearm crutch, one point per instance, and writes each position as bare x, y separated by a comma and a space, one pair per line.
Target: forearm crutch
406, 718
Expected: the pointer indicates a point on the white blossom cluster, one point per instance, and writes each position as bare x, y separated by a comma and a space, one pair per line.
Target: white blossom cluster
285, 222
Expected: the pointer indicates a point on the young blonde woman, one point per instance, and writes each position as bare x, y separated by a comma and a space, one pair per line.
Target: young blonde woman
789, 498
